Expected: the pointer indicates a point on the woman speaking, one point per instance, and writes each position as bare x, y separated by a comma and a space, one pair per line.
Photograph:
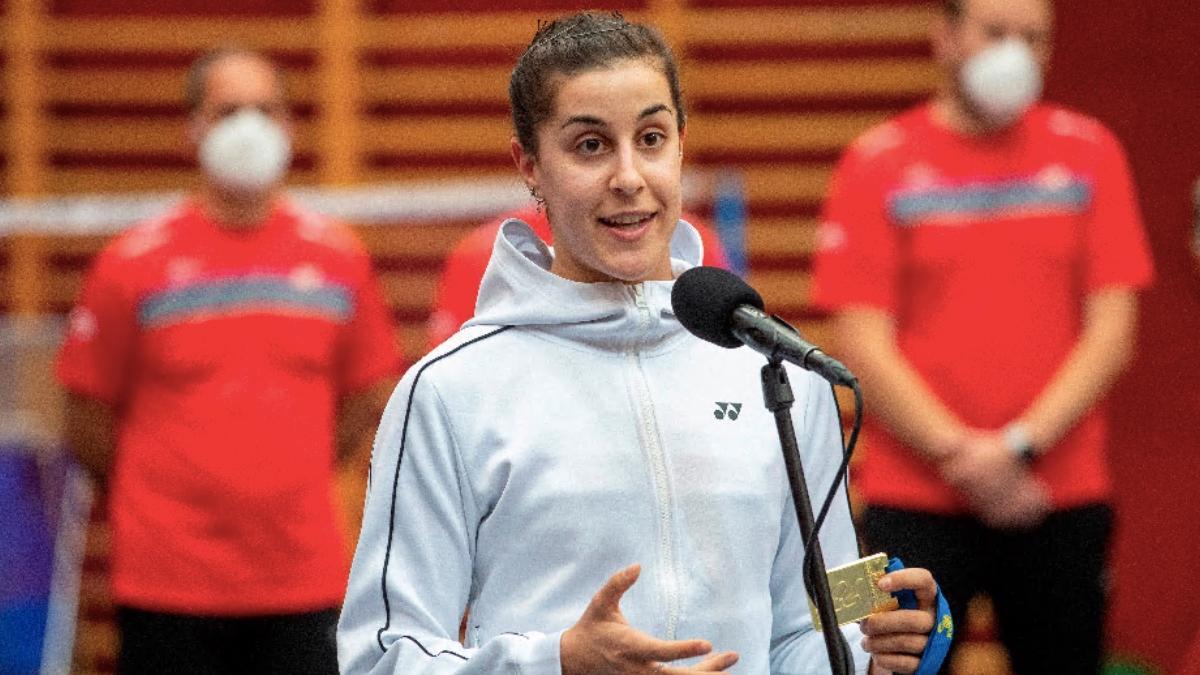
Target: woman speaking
557, 466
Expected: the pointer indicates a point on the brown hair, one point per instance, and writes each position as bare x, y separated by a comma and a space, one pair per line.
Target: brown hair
195, 84
573, 44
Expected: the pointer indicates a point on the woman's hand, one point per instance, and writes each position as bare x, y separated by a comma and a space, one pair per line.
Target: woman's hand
603, 642
895, 640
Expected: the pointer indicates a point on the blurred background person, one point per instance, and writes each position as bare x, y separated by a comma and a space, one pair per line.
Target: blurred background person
221, 360
462, 272
982, 254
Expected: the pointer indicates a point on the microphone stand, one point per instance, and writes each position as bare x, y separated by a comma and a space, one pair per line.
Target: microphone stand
778, 397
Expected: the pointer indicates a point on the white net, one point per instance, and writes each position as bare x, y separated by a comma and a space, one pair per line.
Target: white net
380, 204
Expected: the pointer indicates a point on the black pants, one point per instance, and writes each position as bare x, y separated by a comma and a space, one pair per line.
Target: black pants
156, 643
1047, 584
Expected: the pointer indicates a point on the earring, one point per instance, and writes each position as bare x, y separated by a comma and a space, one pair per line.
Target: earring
541, 203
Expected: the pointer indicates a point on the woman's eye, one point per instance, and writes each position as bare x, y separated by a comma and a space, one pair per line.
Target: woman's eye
654, 139
590, 146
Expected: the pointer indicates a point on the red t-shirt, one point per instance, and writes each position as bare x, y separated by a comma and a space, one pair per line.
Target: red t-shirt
458, 286
224, 355
984, 249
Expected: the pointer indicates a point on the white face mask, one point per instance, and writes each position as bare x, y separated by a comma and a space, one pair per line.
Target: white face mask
1002, 82
247, 151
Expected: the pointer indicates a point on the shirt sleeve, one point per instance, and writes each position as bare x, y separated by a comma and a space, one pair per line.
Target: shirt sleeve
1117, 252
95, 358
796, 646
369, 348
410, 580
855, 260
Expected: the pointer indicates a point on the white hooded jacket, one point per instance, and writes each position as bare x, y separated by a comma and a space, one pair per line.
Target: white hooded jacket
568, 431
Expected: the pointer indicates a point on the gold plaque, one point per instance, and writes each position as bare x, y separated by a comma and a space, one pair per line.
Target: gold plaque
855, 593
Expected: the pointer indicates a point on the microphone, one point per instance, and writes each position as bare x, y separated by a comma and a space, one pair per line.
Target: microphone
717, 306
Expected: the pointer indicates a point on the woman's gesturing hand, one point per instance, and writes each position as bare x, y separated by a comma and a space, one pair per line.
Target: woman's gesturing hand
602, 641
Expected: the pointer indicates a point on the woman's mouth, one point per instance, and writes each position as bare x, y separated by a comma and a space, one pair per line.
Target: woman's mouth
630, 225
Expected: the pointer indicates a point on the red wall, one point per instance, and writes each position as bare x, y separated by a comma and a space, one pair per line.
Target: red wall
1136, 66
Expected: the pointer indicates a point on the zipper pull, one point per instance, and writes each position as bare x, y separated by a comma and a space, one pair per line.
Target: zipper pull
639, 296
639, 299
643, 309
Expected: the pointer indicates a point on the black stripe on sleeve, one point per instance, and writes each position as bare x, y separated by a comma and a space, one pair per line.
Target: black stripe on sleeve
430, 654
387, 607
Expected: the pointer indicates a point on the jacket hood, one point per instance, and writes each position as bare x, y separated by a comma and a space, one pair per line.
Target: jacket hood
518, 289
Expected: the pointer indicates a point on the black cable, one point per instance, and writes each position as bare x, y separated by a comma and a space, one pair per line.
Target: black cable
847, 453
809, 564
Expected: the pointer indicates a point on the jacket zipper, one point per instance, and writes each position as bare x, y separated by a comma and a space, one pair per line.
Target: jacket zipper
666, 544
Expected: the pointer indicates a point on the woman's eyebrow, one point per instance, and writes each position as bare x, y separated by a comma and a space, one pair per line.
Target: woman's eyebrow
584, 119
592, 121
656, 108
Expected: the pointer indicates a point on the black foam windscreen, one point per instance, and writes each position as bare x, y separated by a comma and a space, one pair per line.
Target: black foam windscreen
704, 299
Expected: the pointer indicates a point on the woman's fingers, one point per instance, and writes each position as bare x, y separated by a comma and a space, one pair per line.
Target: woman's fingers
916, 579
916, 621
896, 643
606, 603
641, 647
895, 663
713, 664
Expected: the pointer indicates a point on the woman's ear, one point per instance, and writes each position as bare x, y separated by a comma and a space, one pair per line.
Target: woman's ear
526, 164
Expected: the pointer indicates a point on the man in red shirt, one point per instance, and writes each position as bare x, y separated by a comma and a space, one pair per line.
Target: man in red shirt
458, 285
221, 360
981, 254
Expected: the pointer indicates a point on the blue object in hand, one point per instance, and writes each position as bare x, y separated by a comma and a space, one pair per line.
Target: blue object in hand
942, 635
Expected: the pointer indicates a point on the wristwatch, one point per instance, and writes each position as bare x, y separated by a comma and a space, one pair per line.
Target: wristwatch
1018, 441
